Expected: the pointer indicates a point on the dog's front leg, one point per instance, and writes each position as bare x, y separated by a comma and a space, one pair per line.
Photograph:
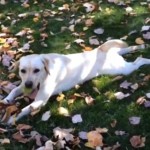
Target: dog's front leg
12, 95
41, 99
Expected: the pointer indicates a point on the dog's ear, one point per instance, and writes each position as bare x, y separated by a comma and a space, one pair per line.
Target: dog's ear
14, 66
46, 64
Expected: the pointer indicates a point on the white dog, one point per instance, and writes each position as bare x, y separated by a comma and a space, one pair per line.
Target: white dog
53, 73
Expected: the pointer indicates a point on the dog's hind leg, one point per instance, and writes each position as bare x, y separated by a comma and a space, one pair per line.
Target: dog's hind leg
131, 49
132, 66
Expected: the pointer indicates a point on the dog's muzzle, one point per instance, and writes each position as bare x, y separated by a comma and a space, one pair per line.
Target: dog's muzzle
29, 84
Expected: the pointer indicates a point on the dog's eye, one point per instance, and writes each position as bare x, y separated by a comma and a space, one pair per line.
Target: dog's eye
23, 71
36, 70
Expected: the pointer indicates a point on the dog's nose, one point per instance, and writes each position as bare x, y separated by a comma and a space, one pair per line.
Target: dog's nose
28, 84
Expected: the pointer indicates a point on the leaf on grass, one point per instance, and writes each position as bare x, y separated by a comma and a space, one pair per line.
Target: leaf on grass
125, 84
49, 145
121, 95
89, 22
134, 86
95, 139
137, 141
18, 137
141, 100
147, 104
10, 110
63, 134
46, 116
99, 31
94, 41
118, 132
83, 135
139, 41
5, 141
79, 41
77, 118
148, 95
60, 97
89, 100
102, 130
23, 127
113, 123
63, 111
134, 120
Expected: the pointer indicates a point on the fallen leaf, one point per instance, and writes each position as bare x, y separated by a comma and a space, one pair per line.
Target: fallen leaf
49, 145
137, 141
63, 111
99, 31
77, 118
121, 95
147, 104
10, 110
113, 123
89, 100
79, 41
5, 141
120, 132
63, 134
134, 120
94, 41
19, 138
23, 127
139, 41
148, 95
46, 116
94, 139
102, 130
60, 97
125, 84
83, 135
141, 100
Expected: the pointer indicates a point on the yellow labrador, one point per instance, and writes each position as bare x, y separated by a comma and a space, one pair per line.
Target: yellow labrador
54, 73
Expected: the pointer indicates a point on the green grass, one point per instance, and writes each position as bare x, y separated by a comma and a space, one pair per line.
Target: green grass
116, 24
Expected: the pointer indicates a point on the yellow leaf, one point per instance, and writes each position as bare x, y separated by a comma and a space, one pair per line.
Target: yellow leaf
2, 40
139, 41
60, 97
63, 111
87, 48
36, 19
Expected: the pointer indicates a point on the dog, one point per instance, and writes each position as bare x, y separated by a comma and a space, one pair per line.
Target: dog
53, 73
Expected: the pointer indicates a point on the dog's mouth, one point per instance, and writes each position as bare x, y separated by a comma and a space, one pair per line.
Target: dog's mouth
32, 92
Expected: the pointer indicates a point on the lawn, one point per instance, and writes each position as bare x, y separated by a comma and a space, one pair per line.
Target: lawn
59, 26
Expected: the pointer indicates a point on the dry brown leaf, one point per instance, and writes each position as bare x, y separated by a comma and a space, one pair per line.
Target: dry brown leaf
113, 123
23, 127
87, 48
137, 141
18, 137
141, 100
102, 130
10, 110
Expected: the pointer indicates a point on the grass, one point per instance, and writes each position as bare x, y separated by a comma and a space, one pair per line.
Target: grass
117, 24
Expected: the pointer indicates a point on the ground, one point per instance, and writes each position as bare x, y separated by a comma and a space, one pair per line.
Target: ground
63, 26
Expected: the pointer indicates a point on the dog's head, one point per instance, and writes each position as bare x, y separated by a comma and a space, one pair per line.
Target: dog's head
33, 70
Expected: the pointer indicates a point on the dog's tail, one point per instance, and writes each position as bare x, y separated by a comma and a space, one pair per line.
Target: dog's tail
112, 43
